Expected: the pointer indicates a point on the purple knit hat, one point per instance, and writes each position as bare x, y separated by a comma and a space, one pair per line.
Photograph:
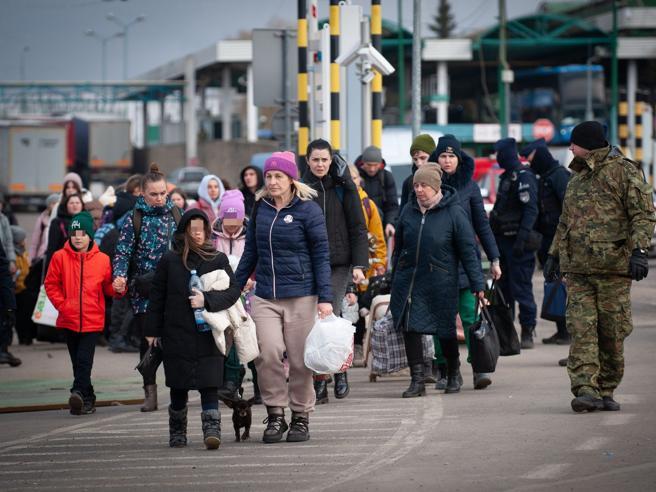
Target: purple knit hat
231, 210
284, 162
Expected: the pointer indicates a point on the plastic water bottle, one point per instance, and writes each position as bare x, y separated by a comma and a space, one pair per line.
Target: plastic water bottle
195, 284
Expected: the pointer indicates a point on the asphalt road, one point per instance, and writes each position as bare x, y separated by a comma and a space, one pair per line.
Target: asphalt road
519, 434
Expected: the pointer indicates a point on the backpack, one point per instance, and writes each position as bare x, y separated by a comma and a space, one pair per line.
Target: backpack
141, 283
137, 217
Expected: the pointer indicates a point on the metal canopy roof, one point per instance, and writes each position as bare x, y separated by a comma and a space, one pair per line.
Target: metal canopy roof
537, 36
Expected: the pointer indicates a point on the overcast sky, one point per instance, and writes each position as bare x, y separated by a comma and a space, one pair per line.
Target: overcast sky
49, 34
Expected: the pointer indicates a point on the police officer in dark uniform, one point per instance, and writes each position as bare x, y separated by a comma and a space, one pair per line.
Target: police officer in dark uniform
551, 193
512, 221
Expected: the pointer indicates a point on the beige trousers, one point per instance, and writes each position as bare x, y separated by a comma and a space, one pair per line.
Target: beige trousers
283, 325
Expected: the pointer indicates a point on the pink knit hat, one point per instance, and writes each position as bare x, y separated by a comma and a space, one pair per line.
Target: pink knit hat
231, 210
284, 162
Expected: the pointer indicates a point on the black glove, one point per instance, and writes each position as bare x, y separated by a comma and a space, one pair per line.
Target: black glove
551, 268
638, 265
518, 246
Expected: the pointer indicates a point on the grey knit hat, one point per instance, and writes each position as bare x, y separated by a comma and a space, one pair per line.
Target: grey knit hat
372, 154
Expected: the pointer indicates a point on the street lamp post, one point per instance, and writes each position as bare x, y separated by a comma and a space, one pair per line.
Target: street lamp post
103, 41
23, 55
23, 99
125, 26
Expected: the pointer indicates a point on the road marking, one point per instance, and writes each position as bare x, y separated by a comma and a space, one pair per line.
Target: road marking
8, 446
617, 418
593, 443
408, 437
547, 472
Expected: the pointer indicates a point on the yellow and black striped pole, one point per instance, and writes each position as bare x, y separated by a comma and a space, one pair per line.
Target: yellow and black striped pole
335, 124
377, 83
623, 123
302, 80
639, 105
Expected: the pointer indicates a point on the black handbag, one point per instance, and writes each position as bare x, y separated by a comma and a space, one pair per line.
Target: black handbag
483, 344
502, 317
151, 361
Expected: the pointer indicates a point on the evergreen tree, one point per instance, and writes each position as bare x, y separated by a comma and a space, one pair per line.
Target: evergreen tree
443, 22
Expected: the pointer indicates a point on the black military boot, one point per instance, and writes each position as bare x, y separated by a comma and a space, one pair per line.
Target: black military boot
527, 337
276, 425
299, 428
321, 391
610, 405
177, 428
453, 376
341, 385
587, 403
441, 377
417, 386
211, 421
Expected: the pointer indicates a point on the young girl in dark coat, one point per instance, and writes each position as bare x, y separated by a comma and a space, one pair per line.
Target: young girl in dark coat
191, 358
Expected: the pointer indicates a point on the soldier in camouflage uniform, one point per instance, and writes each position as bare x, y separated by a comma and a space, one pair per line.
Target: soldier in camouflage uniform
600, 246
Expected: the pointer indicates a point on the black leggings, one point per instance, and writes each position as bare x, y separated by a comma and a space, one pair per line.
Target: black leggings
209, 398
414, 349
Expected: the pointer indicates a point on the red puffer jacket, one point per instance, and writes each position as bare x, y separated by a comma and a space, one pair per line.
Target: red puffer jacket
76, 285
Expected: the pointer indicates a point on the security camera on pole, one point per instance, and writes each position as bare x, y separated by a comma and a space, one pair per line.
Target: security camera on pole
368, 58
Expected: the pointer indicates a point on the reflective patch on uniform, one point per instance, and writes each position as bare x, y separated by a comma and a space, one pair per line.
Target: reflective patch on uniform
524, 197
524, 186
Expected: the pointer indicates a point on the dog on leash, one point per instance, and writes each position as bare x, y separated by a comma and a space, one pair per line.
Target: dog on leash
241, 416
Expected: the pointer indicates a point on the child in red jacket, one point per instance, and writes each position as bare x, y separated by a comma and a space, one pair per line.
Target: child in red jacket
79, 277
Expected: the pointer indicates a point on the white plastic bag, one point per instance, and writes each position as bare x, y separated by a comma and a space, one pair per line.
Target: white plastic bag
329, 346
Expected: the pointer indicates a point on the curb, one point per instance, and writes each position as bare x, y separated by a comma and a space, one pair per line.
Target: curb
64, 406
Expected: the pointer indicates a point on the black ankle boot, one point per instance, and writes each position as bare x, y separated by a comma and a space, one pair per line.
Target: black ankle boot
321, 391
417, 386
299, 428
453, 376
341, 385
527, 337
276, 425
441, 377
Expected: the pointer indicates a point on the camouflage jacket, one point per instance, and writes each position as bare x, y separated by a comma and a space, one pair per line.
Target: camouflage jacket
608, 211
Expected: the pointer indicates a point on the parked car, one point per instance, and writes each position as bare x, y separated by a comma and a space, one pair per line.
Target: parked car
488, 182
188, 178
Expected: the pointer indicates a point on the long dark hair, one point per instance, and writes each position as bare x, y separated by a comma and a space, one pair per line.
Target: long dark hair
63, 206
186, 244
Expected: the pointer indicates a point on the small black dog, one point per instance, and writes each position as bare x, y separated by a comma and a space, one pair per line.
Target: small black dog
241, 416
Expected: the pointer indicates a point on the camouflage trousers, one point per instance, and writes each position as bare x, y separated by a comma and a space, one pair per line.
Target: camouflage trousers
598, 321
